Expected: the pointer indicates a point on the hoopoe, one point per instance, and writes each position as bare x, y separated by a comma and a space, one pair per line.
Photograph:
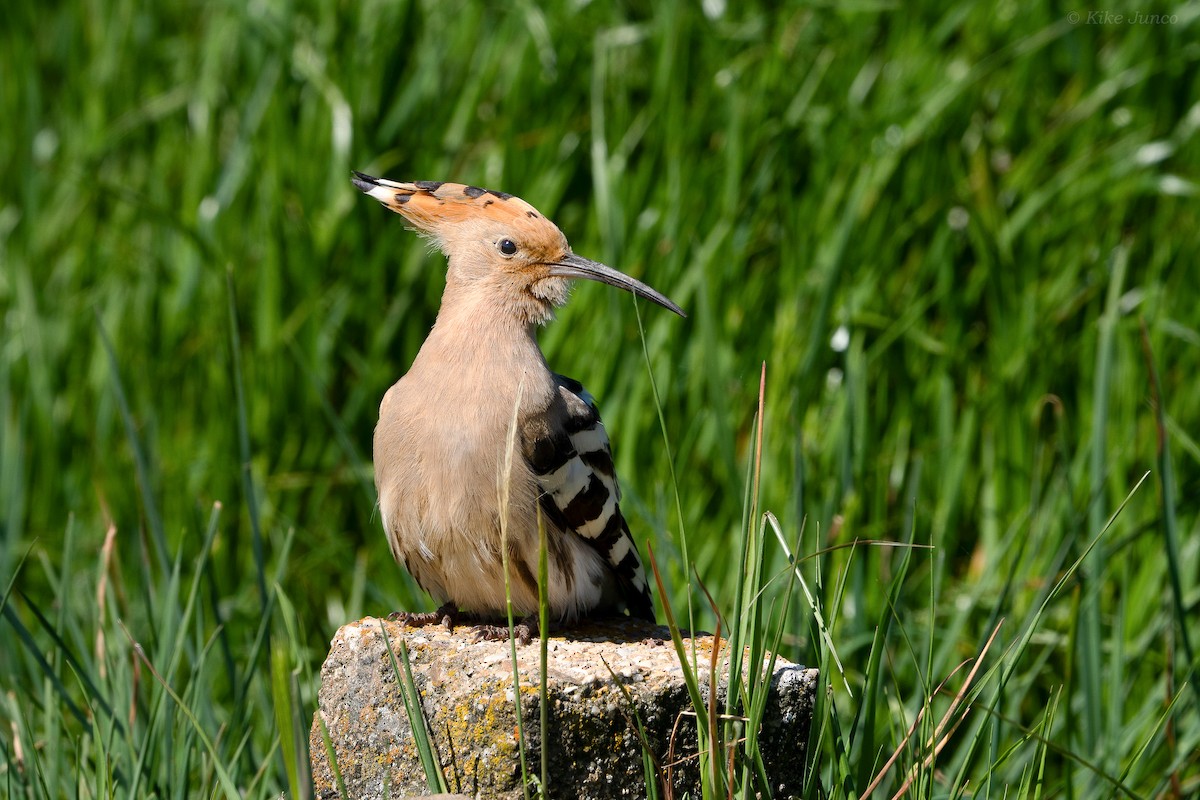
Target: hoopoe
440, 444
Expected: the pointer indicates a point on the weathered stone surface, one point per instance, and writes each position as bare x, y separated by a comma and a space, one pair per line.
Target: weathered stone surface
467, 698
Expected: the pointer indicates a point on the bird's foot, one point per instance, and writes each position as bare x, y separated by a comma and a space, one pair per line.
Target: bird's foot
448, 615
524, 631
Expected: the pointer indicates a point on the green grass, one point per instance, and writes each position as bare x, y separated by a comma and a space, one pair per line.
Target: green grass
980, 205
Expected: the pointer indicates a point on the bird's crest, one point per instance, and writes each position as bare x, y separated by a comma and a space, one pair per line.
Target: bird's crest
431, 205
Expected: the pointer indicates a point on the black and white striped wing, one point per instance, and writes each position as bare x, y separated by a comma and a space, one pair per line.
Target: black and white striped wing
580, 494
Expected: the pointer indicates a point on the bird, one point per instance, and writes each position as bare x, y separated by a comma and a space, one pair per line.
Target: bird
480, 435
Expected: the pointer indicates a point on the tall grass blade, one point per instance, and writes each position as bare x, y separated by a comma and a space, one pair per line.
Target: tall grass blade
1090, 655
669, 452
331, 755
699, 704
816, 610
140, 462
417, 723
504, 481
47, 670
243, 439
224, 779
652, 770
543, 651
1166, 482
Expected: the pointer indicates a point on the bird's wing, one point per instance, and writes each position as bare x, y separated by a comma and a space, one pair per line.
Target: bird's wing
574, 469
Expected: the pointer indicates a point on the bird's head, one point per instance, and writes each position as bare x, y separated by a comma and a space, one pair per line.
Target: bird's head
498, 245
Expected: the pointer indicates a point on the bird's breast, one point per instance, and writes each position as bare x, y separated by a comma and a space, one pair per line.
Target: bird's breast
440, 453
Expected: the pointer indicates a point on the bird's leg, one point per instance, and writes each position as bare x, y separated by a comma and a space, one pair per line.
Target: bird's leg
447, 615
525, 631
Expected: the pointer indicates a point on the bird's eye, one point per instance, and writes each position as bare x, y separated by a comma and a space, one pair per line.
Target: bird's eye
507, 247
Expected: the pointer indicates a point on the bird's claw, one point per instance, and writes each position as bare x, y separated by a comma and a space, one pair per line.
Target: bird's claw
524, 632
448, 615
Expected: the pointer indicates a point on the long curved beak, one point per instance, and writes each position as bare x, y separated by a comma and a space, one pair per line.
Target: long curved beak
573, 266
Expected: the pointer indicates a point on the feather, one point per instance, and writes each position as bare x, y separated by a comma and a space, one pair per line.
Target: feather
573, 468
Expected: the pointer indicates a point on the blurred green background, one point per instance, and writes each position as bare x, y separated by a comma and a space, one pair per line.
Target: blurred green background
961, 236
